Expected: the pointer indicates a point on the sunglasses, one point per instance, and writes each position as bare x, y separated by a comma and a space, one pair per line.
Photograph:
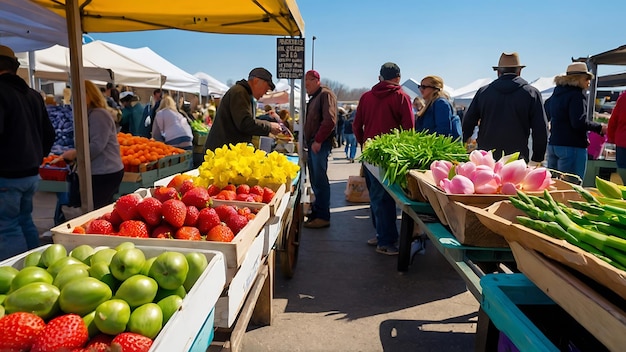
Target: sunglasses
420, 86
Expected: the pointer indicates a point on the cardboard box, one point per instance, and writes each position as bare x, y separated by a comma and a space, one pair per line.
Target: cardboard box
184, 327
234, 251
500, 218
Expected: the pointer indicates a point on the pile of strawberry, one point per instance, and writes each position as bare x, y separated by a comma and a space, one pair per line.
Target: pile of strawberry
179, 211
23, 331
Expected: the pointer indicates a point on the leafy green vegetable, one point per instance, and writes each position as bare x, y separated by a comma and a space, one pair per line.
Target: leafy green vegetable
399, 151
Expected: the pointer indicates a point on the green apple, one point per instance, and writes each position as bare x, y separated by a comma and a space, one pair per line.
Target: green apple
83, 253
51, 254
103, 255
62, 263
2, 298
101, 271
169, 305
137, 290
197, 264
69, 273
127, 262
39, 298
7, 273
30, 274
162, 293
146, 320
170, 270
84, 295
89, 320
112, 316
33, 259
124, 245
146, 266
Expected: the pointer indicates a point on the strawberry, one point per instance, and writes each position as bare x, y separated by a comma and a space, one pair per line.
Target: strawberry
236, 222
115, 219
100, 227
226, 194
257, 198
126, 206
99, 343
192, 216
106, 216
257, 190
243, 189
131, 342
165, 193
164, 230
250, 216
213, 190
207, 219
188, 233
243, 197
174, 212
150, 210
229, 187
133, 228
65, 332
79, 230
244, 211
268, 194
220, 233
197, 196
19, 330
178, 180
186, 187
225, 211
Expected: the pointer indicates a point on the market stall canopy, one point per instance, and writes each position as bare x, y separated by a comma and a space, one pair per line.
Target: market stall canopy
214, 87
545, 85
24, 26
615, 56
148, 62
613, 80
267, 17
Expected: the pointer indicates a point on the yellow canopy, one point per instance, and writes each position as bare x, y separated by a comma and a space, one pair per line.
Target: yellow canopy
265, 17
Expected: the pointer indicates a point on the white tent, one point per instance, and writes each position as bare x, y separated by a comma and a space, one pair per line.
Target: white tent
211, 86
176, 78
464, 95
545, 85
25, 26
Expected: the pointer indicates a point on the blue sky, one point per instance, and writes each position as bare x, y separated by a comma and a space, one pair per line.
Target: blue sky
457, 40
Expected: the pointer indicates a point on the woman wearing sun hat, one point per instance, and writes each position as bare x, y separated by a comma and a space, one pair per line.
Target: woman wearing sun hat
566, 110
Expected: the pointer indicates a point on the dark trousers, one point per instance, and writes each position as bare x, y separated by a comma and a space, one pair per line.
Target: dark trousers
105, 187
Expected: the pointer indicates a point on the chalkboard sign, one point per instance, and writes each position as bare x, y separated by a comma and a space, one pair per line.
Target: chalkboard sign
290, 58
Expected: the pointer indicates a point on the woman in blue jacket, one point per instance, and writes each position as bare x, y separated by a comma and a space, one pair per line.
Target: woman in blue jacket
566, 110
436, 115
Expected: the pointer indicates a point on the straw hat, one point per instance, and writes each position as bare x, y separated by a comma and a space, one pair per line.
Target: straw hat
578, 68
509, 60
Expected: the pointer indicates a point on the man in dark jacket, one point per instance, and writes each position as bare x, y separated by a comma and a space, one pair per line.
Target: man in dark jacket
319, 128
507, 111
26, 136
385, 107
235, 120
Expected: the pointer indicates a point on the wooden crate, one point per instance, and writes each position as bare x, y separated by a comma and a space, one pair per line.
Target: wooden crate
602, 316
500, 218
413, 191
233, 251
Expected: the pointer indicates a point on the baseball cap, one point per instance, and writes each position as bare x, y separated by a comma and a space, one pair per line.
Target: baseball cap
263, 74
389, 70
314, 74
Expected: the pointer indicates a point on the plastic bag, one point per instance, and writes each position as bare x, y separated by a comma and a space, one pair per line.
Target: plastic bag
356, 190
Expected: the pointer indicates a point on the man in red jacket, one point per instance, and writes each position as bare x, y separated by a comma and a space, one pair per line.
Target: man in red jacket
616, 133
385, 107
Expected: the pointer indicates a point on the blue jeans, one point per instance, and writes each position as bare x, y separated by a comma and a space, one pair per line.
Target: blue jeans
571, 160
318, 173
17, 229
383, 209
350, 145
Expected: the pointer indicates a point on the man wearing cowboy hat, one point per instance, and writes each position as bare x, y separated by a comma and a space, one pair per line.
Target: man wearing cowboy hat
508, 111
26, 136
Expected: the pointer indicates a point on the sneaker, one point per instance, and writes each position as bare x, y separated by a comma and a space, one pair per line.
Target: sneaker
372, 241
388, 250
317, 224
418, 246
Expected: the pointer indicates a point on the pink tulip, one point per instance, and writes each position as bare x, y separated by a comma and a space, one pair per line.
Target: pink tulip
537, 179
514, 172
485, 180
482, 157
505, 159
440, 170
457, 185
508, 188
465, 169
